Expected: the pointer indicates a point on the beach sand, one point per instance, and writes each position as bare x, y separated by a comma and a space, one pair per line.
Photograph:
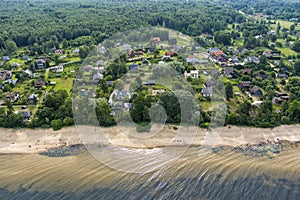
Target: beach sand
23, 141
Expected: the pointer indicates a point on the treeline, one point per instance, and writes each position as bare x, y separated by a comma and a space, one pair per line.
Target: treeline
279, 9
42, 26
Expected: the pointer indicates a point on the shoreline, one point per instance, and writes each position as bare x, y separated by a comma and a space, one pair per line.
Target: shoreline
34, 141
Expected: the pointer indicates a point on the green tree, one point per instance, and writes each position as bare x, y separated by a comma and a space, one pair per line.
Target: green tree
229, 90
57, 124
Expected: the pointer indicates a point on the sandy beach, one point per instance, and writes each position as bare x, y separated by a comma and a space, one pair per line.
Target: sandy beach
23, 141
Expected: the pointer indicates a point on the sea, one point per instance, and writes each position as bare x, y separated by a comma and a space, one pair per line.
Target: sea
254, 172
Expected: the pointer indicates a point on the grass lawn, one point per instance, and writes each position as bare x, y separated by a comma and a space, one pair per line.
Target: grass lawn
62, 84
284, 24
286, 51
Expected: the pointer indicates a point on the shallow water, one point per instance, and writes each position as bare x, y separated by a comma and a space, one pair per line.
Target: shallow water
197, 174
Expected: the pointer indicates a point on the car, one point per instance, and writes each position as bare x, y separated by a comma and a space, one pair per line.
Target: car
24, 107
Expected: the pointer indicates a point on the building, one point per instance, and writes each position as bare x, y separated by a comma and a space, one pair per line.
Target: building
244, 85
57, 69
207, 92
256, 91
192, 60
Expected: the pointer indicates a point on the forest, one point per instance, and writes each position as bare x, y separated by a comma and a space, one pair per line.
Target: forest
253, 45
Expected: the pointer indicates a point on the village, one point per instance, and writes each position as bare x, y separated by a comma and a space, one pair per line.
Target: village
251, 72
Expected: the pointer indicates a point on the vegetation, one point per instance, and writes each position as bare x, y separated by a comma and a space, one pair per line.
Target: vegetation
261, 36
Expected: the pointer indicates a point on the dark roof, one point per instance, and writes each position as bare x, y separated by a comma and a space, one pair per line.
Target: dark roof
244, 84
210, 83
255, 90
150, 82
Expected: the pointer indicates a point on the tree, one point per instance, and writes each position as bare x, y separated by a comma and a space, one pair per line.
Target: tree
292, 28
103, 112
139, 113
10, 46
294, 111
297, 68
229, 90
57, 124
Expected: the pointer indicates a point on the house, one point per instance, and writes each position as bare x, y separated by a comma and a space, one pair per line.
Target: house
11, 81
6, 58
244, 84
280, 97
25, 57
32, 99
261, 37
101, 49
234, 59
125, 47
246, 71
36, 75
210, 83
215, 72
57, 69
172, 41
25, 114
228, 71
99, 69
193, 74
213, 49
98, 76
12, 96
75, 52
127, 106
256, 91
207, 92
155, 92
251, 59
100, 63
242, 49
282, 75
217, 54
145, 61
267, 53
150, 83
166, 58
279, 100
280, 94
109, 83
134, 67
39, 84
58, 52
87, 67
192, 60
5, 75
41, 63
262, 75
234, 51
271, 32
169, 53
86, 93
120, 94
15, 65
178, 49
156, 39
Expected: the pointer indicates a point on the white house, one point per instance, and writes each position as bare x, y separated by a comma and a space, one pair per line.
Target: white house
57, 69
193, 74
192, 59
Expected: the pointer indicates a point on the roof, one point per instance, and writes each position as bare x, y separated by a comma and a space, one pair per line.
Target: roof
150, 82
255, 89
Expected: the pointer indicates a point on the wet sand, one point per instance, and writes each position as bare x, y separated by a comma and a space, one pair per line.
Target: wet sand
23, 141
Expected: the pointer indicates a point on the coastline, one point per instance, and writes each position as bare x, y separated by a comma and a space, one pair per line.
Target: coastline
33, 141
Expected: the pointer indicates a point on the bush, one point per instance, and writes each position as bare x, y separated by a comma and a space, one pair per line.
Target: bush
143, 127
57, 124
